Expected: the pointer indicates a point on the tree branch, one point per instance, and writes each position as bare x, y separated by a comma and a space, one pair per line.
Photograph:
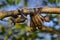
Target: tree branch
50, 30
46, 30
27, 11
8, 13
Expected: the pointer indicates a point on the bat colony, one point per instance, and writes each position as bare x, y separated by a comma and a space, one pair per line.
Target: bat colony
36, 20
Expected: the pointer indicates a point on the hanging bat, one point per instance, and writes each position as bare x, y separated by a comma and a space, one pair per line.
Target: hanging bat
36, 20
16, 19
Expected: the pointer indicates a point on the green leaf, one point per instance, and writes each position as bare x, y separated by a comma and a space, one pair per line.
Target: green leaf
58, 0
20, 26
51, 1
3, 4
18, 1
11, 2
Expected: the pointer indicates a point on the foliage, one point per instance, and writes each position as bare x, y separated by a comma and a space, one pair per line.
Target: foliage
18, 1
58, 1
26, 2
18, 33
2, 5
51, 1
13, 2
